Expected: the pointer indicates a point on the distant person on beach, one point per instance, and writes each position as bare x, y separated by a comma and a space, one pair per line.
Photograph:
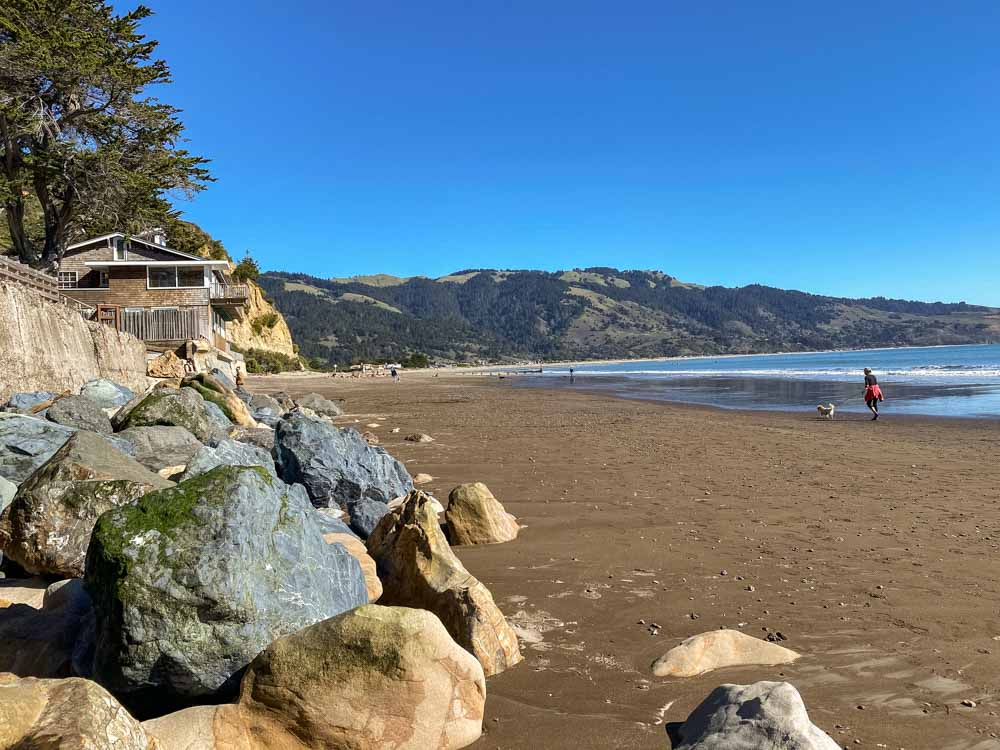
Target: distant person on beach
873, 394
571, 374
395, 375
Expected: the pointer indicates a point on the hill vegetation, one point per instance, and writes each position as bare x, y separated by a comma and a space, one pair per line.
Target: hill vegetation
488, 315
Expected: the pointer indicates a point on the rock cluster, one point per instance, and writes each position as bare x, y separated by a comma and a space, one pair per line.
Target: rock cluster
418, 569
201, 556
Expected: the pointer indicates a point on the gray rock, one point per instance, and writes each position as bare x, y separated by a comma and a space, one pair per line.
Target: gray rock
744, 717
267, 415
22, 403
228, 453
218, 418
194, 581
157, 448
262, 437
364, 514
26, 443
107, 394
47, 526
41, 642
79, 412
170, 407
243, 394
263, 401
322, 406
337, 466
223, 378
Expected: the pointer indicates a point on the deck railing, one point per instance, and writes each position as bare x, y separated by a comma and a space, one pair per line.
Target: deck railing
163, 325
229, 291
17, 273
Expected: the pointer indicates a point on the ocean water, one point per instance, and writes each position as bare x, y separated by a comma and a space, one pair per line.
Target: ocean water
950, 381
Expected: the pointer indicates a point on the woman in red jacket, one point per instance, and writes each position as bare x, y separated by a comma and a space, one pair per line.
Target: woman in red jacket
873, 394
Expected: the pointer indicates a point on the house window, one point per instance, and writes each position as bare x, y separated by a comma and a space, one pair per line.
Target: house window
175, 277
67, 280
104, 280
121, 252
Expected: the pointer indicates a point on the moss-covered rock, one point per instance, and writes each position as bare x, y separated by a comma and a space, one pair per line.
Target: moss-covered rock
194, 581
174, 408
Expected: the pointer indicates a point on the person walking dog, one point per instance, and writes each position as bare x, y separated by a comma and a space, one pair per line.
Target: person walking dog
873, 394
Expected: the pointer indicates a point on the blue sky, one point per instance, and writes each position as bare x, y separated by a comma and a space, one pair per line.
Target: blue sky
850, 149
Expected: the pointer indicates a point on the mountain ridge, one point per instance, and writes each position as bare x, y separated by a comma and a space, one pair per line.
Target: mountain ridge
498, 315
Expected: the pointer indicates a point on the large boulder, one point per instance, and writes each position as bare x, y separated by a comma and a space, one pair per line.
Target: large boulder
40, 641
194, 581
106, 393
322, 406
376, 677
418, 569
228, 453
202, 728
79, 412
338, 467
70, 714
475, 516
717, 649
762, 715
170, 407
47, 527
159, 448
26, 401
26, 443
211, 389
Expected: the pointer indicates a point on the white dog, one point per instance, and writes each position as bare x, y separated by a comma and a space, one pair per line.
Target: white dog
826, 411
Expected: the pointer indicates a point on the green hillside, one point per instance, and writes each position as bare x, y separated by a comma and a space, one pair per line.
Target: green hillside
491, 315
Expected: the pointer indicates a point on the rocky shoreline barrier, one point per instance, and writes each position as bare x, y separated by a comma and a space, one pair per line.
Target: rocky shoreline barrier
197, 567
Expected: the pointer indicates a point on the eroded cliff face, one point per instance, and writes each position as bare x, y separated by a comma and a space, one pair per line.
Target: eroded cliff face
45, 346
275, 337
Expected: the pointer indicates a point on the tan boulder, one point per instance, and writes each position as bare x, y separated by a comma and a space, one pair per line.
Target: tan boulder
434, 503
69, 714
359, 552
717, 649
419, 437
201, 728
374, 678
474, 516
167, 365
423, 478
418, 569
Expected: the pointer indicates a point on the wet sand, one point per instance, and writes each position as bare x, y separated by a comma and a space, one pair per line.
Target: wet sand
871, 547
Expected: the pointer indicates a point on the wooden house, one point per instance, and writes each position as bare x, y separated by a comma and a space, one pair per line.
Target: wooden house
160, 295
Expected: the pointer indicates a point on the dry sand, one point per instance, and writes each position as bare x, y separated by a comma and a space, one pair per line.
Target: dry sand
871, 547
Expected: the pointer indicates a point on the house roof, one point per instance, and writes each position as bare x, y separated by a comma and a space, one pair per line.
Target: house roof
140, 263
147, 243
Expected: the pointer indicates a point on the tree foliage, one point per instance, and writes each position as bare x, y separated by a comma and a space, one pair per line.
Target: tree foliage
78, 132
246, 270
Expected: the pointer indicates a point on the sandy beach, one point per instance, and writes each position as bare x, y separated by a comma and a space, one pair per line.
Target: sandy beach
870, 547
